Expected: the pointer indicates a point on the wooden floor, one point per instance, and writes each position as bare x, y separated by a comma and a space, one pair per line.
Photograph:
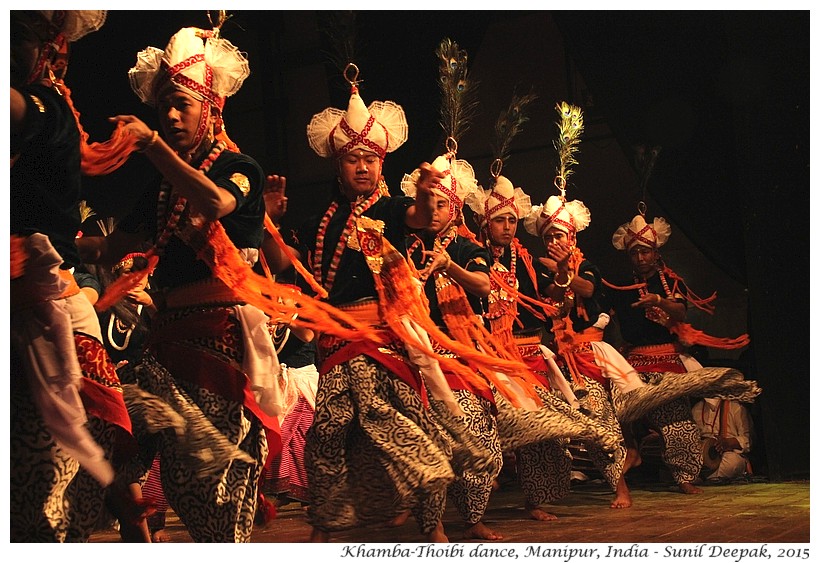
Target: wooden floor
749, 512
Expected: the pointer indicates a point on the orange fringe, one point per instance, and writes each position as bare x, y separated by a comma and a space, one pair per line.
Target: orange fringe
401, 297
222, 135
503, 325
623, 287
686, 333
501, 319
526, 259
463, 325
565, 341
575, 259
704, 304
501, 329
529, 303
279, 302
297, 264
99, 159
689, 336
464, 231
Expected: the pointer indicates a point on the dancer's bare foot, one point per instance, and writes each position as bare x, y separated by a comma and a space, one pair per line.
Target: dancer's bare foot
160, 536
633, 459
538, 513
479, 531
131, 510
319, 536
399, 520
689, 489
438, 535
623, 498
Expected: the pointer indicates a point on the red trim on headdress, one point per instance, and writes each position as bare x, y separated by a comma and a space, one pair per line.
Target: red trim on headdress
131, 256
502, 203
451, 194
553, 219
356, 138
175, 74
640, 238
56, 43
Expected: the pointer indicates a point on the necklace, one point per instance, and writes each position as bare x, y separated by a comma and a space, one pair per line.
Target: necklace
498, 254
121, 329
500, 302
180, 202
656, 314
362, 205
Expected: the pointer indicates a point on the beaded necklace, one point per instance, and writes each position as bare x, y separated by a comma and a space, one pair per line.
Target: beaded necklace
121, 329
180, 202
500, 302
362, 205
498, 253
655, 314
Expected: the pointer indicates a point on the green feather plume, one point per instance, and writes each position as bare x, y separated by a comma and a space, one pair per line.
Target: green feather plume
340, 29
570, 127
510, 123
458, 102
644, 163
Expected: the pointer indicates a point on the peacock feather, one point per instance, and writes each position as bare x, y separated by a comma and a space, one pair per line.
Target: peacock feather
570, 127
340, 29
458, 102
510, 123
644, 163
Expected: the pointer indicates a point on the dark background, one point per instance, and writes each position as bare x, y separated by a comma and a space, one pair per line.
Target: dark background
725, 94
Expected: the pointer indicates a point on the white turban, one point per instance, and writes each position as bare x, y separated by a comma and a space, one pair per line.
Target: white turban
380, 128
638, 231
502, 198
568, 216
75, 24
207, 67
458, 185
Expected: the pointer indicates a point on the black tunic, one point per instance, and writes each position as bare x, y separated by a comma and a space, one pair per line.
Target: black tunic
354, 280
465, 253
45, 179
244, 225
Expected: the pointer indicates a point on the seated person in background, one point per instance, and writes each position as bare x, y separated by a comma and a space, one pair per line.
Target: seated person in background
726, 429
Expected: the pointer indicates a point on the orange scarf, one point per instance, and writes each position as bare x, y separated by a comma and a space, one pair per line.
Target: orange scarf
99, 159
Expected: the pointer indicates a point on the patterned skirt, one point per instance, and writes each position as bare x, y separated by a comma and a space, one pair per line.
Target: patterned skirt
470, 491
374, 450
53, 498
195, 416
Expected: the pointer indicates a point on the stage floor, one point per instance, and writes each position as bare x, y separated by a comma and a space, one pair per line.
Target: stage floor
750, 512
